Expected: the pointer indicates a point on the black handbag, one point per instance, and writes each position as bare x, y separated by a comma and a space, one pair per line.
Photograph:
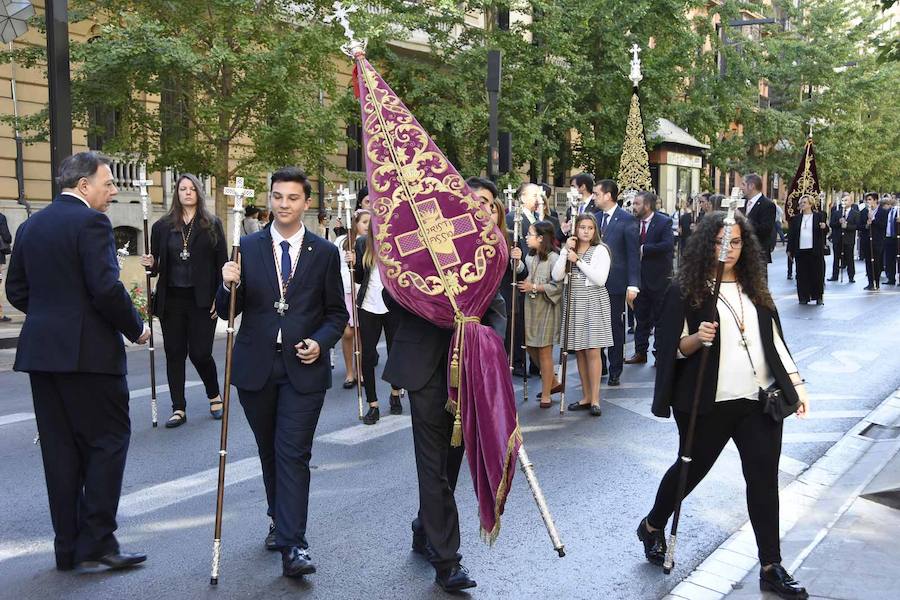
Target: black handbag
775, 403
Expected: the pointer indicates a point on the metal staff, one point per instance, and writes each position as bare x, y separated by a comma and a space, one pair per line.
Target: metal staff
143, 183
734, 202
513, 202
528, 470
344, 202
564, 349
238, 193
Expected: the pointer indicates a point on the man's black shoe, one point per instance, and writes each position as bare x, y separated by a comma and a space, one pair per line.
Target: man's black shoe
295, 562
396, 407
869, 287
832, 279
372, 416
454, 579
778, 580
113, 561
65, 561
654, 543
421, 545
612, 381
790, 277
518, 372
270, 538
852, 280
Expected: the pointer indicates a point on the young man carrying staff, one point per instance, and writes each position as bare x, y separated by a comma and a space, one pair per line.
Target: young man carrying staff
292, 300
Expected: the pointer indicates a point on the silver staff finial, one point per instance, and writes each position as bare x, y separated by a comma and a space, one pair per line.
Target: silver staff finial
636, 75
341, 15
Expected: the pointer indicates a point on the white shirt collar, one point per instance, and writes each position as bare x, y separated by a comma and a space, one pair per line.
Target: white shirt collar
73, 194
294, 240
648, 219
754, 200
611, 211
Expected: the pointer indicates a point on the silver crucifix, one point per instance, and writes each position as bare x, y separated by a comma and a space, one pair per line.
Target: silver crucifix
281, 306
238, 192
142, 183
635, 75
341, 15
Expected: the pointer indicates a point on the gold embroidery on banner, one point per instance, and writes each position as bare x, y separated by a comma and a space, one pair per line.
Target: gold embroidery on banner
806, 185
395, 138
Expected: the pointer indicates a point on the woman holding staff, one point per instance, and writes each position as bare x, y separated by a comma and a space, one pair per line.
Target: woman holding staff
739, 334
541, 303
361, 225
187, 251
588, 319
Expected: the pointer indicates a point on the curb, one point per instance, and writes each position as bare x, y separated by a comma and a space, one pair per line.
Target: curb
724, 569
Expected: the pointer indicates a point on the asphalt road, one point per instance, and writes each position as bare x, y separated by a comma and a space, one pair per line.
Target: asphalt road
599, 477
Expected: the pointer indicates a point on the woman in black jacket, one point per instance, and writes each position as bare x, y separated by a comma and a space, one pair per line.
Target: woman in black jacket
187, 251
807, 234
374, 317
748, 350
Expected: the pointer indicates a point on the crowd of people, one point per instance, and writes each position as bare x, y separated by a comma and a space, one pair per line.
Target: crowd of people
571, 280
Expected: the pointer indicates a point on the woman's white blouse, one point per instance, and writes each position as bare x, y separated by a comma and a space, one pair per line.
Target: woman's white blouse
595, 272
736, 378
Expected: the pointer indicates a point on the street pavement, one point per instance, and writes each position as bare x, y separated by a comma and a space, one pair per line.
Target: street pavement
599, 477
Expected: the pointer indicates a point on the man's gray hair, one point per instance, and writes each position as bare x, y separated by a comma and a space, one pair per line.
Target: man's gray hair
82, 164
754, 180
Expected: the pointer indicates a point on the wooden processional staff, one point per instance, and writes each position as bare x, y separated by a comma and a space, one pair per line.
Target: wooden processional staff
238, 192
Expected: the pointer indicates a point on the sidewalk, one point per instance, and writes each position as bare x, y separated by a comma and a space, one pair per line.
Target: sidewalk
840, 522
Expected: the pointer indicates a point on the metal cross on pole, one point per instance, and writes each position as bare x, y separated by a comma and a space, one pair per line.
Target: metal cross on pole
238, 192
341, 16
635, 76
143, 183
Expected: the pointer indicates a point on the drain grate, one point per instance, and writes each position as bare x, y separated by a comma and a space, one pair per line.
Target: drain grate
875, 431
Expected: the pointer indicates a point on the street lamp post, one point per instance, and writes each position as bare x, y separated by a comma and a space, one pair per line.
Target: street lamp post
57, 20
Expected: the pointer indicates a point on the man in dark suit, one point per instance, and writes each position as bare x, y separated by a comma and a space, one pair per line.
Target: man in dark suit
619, 231
892, 229
417, 362
583, 183
844, 222
65, 278
656, 250
292, 300
866, 243
760, 211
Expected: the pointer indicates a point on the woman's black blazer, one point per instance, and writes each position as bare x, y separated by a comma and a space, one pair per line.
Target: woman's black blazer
206, 262
676, 379
819, 235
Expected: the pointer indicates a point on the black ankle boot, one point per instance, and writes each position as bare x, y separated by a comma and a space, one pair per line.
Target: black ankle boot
396, 407
372, 416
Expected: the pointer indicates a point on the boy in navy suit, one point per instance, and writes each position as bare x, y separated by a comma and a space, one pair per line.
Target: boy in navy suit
65, 278
292, 300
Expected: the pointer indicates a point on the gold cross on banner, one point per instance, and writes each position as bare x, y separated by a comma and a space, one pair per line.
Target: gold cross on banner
439, 231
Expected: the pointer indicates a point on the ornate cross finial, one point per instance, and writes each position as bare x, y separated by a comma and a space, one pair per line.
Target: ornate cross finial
143, 183
341, 15
510, 193
635, 75
811, 122
238, 192
573, 196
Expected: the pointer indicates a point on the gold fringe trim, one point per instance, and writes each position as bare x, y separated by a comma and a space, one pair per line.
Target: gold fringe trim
489, 537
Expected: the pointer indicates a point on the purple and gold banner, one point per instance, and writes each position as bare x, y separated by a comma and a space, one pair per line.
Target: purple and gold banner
442, 258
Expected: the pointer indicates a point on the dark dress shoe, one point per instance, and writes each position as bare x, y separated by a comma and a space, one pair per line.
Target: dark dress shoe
820, 303
804, 302
869, 287
832, 279
295, 562
65, 561
790, 277
112, 561
851, 280
372, 416
518, 372
779, 581
396, 407
270, 538
654, 543
454, 579
177, 419
349, 383
638, 358
595, 410
613, 382
579, 406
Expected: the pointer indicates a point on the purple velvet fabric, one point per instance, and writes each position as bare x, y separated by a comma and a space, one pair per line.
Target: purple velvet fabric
418, 196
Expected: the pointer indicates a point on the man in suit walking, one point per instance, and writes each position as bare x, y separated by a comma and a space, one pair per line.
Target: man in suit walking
656, 251
892, 228
64, 276
760, 211
844, 222
619, 231
292, 300
866, 241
